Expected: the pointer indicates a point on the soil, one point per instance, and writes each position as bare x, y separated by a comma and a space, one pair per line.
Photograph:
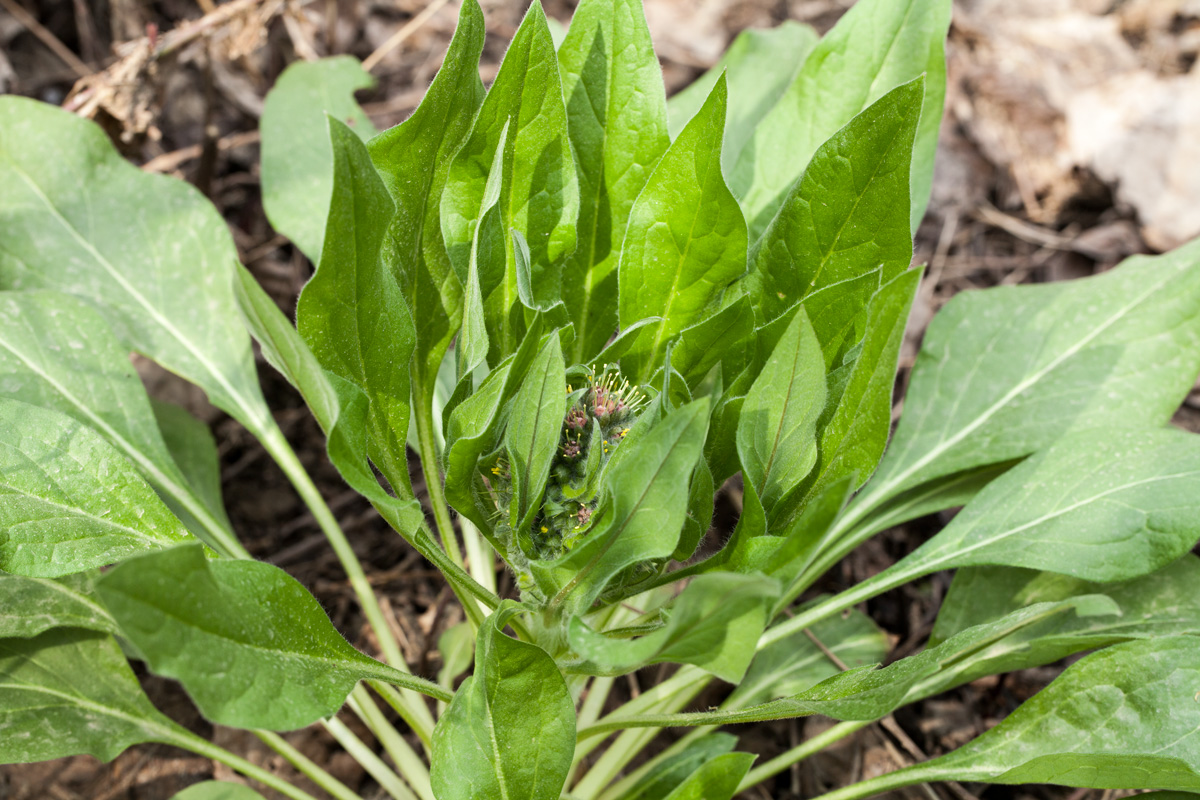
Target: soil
195, 116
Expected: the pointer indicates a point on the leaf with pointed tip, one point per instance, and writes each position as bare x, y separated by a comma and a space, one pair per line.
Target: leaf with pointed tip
352, 313
71, 502
844, 224
218, 790
297, 166
717, 779
685, 240
1100, 724
617, 115
540, 194
702, 346
149, 251
713, 624
249, 643
194, 450
760, 65
413, 160
672, 771
776, 434
58, 352
69, 692
510, 729
534, 428
796, 663
1028, 364
876, 46
35, 605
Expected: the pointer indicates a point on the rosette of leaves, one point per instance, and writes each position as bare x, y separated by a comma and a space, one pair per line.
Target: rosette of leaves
585, 307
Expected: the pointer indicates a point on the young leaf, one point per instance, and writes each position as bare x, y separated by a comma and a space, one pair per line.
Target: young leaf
759, 65
352, 313
647, 502
844, 224
1031, 363
218, 790
717, 779
875, 46
249, 643
534, 427
297, 167
776, 434
713, 624
617, 114
1100, 724
674, 770
510, 729
69, 692
35, 605
59, 353
413, 160
540, 196
150, 251
702, 346
70, 501
685, 241
795, 664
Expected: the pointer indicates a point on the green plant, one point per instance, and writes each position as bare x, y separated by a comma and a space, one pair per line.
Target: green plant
751, 242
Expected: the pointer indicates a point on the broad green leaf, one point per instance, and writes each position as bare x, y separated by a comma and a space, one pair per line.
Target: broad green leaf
69, 692
252, 647
702, 346
701, 495
218, 790
486, 277
35, 605
540, 197
685, 240
297, 166
759, 65
192, 446
646, 502
617, 112
509, 732
1105, 505
69, 501
1123, 718
713, 624
844, 224
854, 428
352, 313
534, 428
776, 434
150, 251
59, 353
413, 160
672, 771
1006, 371
796, 663
717, 779
876, 46
1163, 603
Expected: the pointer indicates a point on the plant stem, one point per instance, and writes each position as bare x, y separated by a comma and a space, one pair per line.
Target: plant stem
181, 737
798, 753
907, 776
423, 727
320, 777
404, 757
273, 439
367, 759
433, 481
480, 557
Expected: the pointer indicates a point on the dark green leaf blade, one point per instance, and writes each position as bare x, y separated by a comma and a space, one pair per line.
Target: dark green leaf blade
509, 732
150, 251
35, 605
717, 779
253, 648
531, 438
617, 115
194, 450
685, 241
71, 502
875, 47
297, 167
70, 691
352, 313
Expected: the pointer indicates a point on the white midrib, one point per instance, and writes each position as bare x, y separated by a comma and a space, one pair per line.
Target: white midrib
253, 418
871, 500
